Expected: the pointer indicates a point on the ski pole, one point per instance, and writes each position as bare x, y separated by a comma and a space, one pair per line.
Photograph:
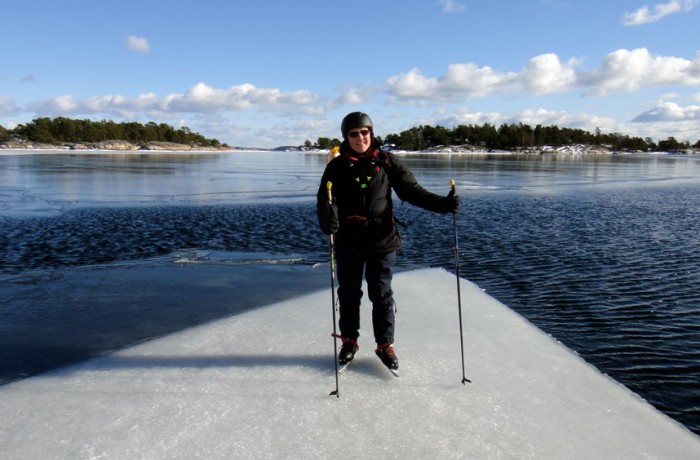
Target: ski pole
459, 293
331, 245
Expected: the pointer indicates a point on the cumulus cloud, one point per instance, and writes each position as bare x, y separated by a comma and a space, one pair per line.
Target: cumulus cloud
138, 44
546, 74
625, 70
468, 117
646, 15
8, 106
543, 74
451, 6
620, 71
203, 98
460, 81
200, 98
669, 111
118, 105
561, 118
352, 97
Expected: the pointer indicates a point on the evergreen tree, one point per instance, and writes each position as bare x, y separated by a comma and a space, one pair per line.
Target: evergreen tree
671, 145
61, 130
4, 134
325, 143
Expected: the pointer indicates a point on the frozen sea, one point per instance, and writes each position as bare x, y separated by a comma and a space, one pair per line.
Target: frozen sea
227, 389
601, 252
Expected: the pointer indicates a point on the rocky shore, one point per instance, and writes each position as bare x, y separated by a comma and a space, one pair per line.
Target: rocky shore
117, 145
575, 149
120, 145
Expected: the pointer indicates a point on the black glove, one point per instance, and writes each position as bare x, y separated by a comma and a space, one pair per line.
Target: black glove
450, 203
328, 218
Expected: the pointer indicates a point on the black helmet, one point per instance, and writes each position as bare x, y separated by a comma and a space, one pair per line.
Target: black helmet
355, 120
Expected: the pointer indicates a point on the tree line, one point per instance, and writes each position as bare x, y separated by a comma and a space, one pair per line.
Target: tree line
513, 137
65, 130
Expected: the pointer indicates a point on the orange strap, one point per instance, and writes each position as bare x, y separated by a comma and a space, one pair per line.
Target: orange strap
352, 341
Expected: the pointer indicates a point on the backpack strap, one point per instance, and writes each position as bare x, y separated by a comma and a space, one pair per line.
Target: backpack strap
385, 161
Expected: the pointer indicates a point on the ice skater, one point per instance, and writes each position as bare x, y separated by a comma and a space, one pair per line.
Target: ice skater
361, 218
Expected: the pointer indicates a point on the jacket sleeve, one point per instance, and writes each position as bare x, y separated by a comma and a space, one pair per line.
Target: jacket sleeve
408, 189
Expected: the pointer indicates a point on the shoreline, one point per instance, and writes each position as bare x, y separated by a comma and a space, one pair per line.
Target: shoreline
171, 148
111, 146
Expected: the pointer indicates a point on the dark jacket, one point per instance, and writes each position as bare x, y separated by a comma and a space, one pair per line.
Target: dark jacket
361, 190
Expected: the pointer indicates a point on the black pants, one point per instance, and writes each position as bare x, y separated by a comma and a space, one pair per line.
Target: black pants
378, 271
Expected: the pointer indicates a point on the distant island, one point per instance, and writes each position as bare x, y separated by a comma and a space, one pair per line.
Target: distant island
61, 132
66, 133
518, 138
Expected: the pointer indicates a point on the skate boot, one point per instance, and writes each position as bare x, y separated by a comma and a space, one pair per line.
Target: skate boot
347, 351
386, 353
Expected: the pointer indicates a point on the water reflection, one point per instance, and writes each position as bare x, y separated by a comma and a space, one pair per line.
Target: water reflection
49, 183
552, 173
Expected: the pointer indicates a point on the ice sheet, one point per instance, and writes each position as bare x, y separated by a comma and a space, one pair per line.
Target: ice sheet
257, 385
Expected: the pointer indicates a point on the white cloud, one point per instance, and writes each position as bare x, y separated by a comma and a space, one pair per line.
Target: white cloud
468, 117
8, 106
203, 98
352, 97
543, 74
198, 99
118, 105
138, 44
469, 79
620, 71
459, 82
546, 74
412, 85
625, 70
268, 133
669, 111
451, 6
645, 15
561, 118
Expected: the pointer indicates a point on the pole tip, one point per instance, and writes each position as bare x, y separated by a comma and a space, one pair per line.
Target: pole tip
452, 183
329, 184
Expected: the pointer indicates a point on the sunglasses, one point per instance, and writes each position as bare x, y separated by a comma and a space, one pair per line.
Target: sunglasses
362, 132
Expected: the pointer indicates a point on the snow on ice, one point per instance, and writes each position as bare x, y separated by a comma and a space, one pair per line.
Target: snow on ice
256, 385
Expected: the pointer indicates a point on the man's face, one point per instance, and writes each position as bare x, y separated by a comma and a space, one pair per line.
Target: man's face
360, 139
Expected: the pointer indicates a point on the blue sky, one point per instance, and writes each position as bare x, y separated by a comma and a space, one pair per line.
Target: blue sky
274, 72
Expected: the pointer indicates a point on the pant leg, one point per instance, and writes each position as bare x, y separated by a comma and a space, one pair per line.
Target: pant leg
379, 273
350, 269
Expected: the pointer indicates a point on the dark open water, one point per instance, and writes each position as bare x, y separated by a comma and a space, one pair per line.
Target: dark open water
603, 253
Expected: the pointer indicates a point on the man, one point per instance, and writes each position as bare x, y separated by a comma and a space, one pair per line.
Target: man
361, 215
